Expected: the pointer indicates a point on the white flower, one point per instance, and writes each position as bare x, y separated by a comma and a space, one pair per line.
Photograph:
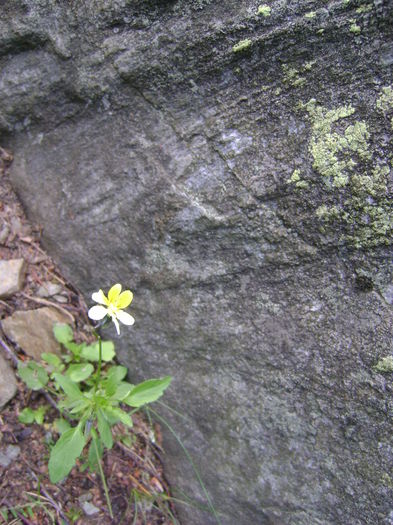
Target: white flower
112, 306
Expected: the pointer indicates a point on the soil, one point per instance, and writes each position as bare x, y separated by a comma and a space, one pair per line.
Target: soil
133, 468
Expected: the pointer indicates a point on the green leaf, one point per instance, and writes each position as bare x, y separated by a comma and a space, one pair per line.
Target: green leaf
39, 414
26, 416
61, 425
117, 373
90, 353
122, 391
104, 429
80, 372
34, 375
70, 388
64, 454
147, 392
52, 359
78, 405
113, 379
92, 455
121, 416
63, 333
75, 349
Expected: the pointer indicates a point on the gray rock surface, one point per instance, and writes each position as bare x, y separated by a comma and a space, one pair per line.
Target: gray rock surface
235, 170
32, 330
7, 382
12, 274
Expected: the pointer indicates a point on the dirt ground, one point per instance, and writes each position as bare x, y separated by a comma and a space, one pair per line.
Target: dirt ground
138, 490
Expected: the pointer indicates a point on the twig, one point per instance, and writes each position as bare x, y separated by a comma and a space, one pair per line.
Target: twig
12, 355
47, 495
6, 305
150, 469
138, 484
49, 303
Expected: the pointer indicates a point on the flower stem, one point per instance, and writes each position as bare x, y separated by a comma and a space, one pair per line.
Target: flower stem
98, 374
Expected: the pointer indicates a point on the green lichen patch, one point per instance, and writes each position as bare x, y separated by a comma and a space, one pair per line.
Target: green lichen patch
354, 183
385, 100
242, 45
366, 8
385, 364
307, 66
355, 29
291, 76
264, 10
297, 181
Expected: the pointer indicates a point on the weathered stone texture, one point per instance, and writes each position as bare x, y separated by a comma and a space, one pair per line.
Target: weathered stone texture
235, 170
32, 330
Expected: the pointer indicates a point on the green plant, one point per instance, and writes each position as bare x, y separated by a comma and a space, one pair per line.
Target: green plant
91, 391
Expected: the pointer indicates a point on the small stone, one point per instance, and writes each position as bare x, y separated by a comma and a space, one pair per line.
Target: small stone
7, 382
89, 509
8, 455
60, 298
32, 330
12, 274
84, 497
49, 289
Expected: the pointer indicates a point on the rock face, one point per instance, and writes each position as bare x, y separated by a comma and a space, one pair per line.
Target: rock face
232, 165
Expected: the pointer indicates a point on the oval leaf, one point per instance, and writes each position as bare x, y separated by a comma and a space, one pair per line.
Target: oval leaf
63, 333
70, 388
90, 353
80, 372
147, 392
64, 454
34, 375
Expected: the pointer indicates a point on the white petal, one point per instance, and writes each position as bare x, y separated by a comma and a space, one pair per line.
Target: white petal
116, 324
125, 318
99, 297
97, 312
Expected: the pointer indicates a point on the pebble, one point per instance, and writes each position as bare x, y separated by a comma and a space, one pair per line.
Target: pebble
12, 275
89, 509
8, 455
49, 289
7, 382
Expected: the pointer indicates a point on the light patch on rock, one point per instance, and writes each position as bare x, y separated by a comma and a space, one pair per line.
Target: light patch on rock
32, 330
12, 274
